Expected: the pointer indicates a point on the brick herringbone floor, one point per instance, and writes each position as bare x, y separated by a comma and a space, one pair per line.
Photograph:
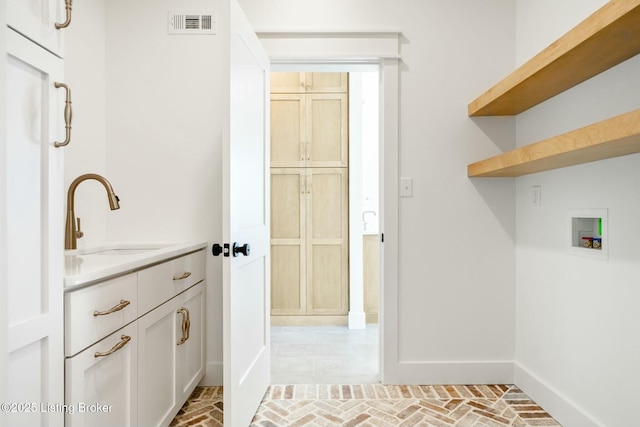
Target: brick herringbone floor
376, 405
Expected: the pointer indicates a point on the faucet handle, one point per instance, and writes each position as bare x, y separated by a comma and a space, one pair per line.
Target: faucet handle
79, 232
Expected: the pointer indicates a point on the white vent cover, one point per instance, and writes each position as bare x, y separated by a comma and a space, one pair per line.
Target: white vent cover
192, 23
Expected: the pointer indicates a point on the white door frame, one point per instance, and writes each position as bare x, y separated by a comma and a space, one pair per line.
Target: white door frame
309, 49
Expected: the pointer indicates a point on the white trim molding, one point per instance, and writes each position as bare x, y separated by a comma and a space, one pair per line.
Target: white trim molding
339, 50
358, 46
560, 407
454, 372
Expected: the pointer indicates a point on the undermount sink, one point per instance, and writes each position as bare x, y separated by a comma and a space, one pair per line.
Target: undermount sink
119, 249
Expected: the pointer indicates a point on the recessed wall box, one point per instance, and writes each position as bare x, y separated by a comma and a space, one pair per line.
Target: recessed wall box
588, 233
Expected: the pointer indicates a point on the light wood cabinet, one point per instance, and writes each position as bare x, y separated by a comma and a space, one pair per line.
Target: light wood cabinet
371, 275
309, 241
309, 197
309, 82
309, 130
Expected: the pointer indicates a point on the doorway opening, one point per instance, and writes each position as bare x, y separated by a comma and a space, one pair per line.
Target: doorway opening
325, 250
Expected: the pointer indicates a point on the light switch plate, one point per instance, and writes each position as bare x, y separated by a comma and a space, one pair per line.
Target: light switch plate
406, 187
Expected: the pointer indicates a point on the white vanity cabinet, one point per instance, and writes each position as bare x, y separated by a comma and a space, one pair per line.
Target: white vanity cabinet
171, 356
135, 344
102, 382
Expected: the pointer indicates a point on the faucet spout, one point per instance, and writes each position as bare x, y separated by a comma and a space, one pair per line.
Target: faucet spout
71, 232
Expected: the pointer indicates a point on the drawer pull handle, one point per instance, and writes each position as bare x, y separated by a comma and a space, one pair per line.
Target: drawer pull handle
186, 325
124, 339
123, 304
184, 276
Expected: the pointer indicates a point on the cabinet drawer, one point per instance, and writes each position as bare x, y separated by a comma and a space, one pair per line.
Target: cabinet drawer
162, 282
94, 312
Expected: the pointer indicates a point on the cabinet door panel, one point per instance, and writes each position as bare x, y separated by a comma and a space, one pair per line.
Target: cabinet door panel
328, 203
157, 366
288, 195
34, 221
288, 293
326, 82
109, 380
326, 295
36, 20
190, 354
327, 242
288, 130
283, 82
287, 203
327, 130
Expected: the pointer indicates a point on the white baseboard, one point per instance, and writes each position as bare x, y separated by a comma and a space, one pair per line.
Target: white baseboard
561, 408
357, 320
213, 375
498, 372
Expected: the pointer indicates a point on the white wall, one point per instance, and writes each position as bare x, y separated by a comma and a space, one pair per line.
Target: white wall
456, 284
4, 363
164, 127
577, 318
85, 70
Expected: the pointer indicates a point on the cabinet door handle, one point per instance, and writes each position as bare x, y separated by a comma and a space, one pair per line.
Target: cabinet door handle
67, 7
123, 303
185, 325
124, 339
184, 276
68, 114
188, 324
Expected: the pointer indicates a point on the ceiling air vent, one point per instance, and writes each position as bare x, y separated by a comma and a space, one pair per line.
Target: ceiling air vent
192, 23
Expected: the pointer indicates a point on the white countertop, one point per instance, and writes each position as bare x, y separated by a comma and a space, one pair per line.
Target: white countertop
86, 266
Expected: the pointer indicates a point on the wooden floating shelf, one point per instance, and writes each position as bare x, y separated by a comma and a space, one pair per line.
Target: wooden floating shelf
606, 38
617, 136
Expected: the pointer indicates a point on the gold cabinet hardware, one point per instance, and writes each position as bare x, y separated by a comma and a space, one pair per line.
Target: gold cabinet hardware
67, 7
184, 276
68, 114
124, 339
79, 232
123, 304
186, 325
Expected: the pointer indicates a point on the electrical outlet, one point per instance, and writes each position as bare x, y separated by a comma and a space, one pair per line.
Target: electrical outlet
536, 194
406, 187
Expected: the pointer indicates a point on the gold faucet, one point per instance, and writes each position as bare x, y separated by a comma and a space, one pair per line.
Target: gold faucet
72, 232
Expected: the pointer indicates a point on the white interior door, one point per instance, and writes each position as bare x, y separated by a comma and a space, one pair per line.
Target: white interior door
246, 221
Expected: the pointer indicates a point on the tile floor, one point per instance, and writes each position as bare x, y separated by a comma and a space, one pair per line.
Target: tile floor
329, 377
372, 405
324, 355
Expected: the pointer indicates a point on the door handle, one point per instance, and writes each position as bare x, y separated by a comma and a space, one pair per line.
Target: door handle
68, 114
244, 249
